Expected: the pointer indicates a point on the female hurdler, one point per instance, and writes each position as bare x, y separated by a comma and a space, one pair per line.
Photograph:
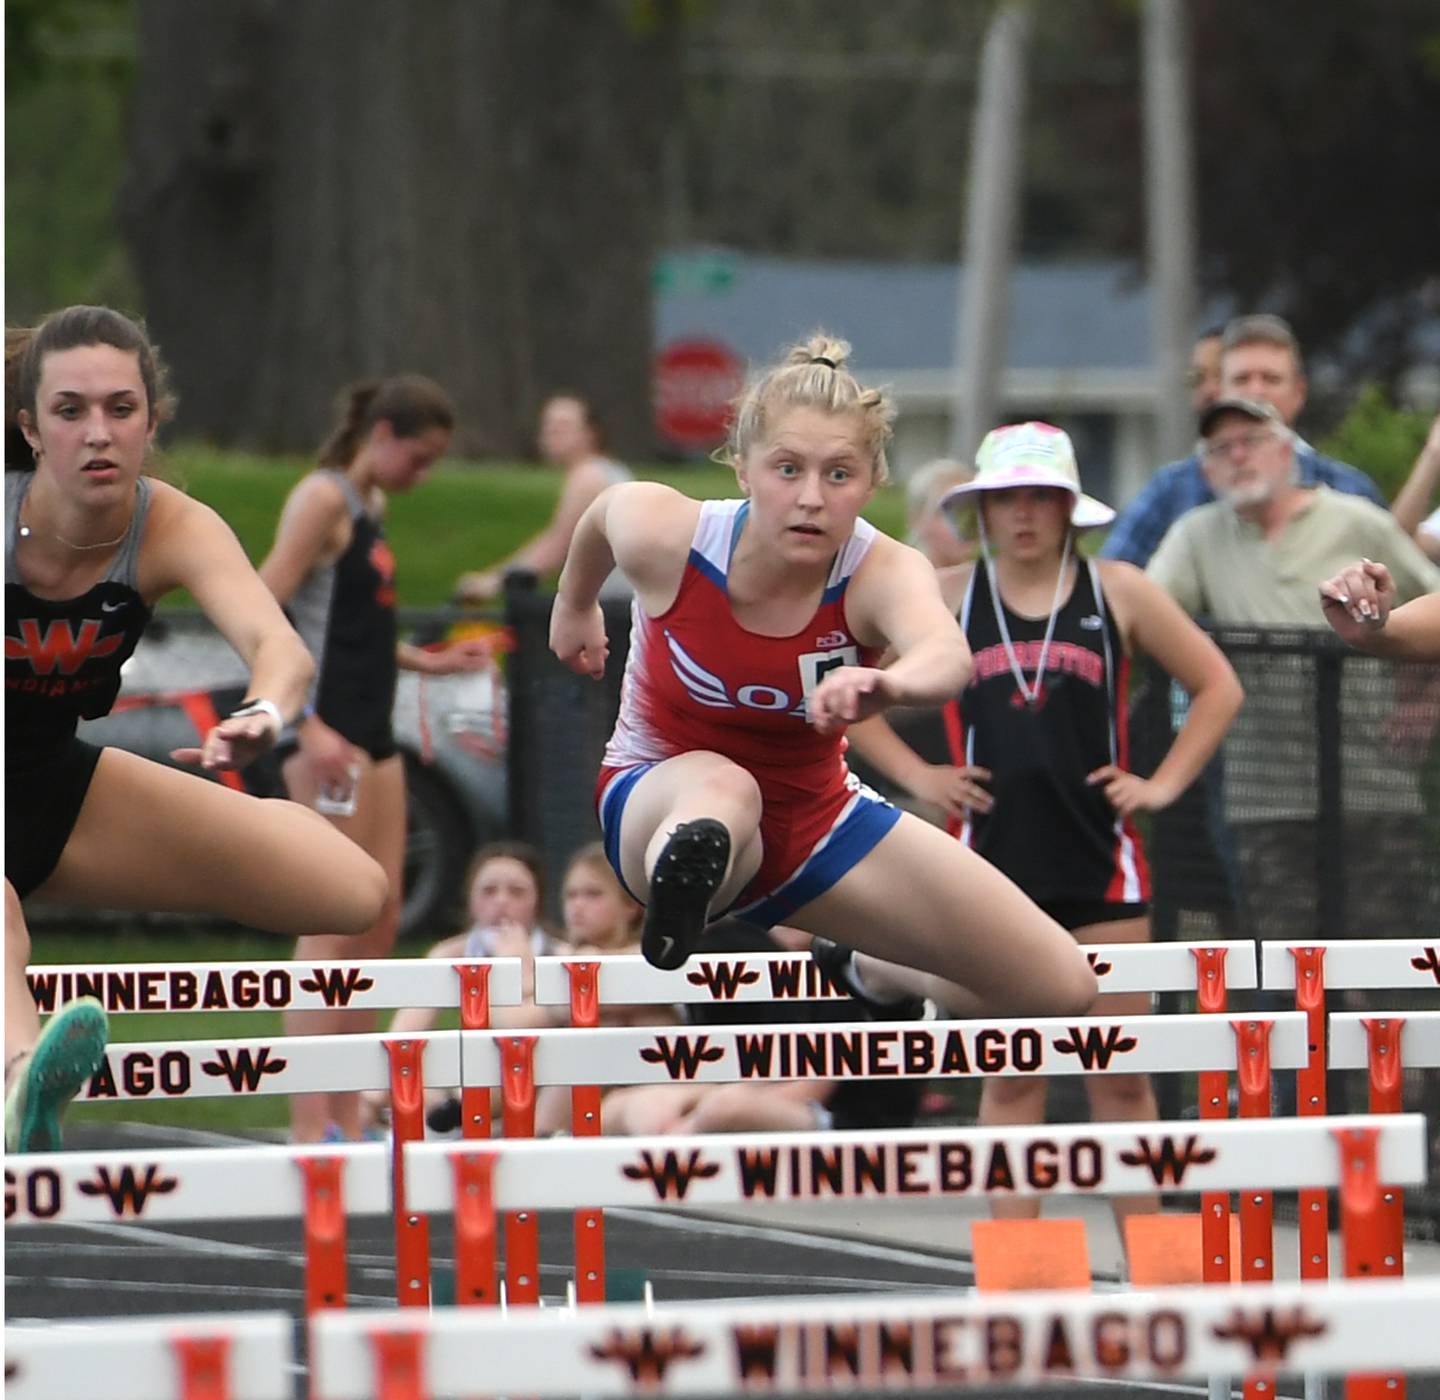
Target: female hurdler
757, 623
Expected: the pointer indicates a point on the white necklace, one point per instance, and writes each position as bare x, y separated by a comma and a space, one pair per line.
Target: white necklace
1031, 694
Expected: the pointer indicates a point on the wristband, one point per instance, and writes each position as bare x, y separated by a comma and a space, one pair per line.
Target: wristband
268, 708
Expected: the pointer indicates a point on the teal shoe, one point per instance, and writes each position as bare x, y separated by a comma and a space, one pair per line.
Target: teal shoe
69, 1051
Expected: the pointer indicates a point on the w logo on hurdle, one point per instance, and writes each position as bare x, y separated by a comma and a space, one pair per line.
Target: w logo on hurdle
722, 980
682, 1058
1100, 969
1429, 963
1097, 1046
1269, 1335
244, 1070
670, 1176
1168, 1162
336, 985
648, 1354
127, 1192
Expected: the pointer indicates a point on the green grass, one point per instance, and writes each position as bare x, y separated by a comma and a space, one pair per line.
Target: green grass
466, 516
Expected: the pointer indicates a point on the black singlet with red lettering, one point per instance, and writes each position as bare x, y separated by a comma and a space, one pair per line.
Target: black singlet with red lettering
62, 665
1055, 836
63, 656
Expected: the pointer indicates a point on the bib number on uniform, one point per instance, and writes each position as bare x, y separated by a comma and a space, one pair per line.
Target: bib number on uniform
816, 665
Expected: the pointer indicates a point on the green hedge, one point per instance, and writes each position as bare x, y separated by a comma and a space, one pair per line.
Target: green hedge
465, 516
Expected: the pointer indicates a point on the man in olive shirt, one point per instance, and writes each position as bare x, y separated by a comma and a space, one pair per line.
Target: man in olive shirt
1255, 554
1254, 557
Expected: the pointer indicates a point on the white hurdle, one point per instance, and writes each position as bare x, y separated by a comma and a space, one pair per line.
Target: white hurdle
365, 983
848, 1343
1419, 1038
1102, 1159
1307, 971
729, 1054
238, 1356
518, 1064
715, 1054
627, 979
323, 1186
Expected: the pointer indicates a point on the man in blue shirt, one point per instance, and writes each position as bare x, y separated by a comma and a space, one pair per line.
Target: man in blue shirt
1260, 359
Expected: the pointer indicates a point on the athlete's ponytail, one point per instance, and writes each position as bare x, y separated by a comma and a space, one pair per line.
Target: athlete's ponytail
410, 403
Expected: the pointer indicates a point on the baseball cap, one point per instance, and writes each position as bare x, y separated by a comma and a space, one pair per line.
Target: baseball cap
1257, 409
1031, 454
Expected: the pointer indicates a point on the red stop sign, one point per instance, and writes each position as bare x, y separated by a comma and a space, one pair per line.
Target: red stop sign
696, 384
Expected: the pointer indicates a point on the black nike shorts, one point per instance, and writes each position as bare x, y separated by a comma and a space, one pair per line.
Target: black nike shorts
43, 798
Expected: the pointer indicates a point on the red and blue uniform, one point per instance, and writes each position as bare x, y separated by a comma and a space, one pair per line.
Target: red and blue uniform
696, 680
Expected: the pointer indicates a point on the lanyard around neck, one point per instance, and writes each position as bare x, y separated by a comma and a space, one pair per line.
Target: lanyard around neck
1031, 694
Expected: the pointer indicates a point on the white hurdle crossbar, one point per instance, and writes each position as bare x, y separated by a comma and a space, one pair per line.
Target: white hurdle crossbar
376, 983
475, 1181
716, 1054
861, 1049
226, 1183
274, 1065
627, 979
896, 1164
1419, 1038
192, 1183
914, 1343
243, 1356
1356, 963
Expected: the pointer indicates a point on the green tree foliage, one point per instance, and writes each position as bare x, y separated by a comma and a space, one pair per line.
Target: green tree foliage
1379, 438
69, 65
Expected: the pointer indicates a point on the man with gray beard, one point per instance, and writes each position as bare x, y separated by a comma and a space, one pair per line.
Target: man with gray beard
1252, 558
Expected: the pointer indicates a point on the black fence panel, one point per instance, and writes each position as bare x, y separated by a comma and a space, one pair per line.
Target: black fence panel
559, 722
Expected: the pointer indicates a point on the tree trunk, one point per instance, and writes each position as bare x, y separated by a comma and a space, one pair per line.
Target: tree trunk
325, 189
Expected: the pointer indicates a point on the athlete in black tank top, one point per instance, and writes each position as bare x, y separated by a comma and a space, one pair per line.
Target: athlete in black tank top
63, 656
331, 567
62, 665
1055, 835
344, 610
90, 543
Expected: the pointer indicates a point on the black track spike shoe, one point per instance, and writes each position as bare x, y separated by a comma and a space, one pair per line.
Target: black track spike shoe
690, 870
833, 959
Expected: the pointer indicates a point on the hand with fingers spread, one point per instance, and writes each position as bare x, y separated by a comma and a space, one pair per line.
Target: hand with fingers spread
232, 744
848, 695
1128, 793
577, 637
1357, 601
956, 791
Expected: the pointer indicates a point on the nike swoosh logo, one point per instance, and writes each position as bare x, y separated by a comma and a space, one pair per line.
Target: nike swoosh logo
666, 944
111, 607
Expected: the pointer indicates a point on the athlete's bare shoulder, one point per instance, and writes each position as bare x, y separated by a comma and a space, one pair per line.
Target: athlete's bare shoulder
893, 588
650, 527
